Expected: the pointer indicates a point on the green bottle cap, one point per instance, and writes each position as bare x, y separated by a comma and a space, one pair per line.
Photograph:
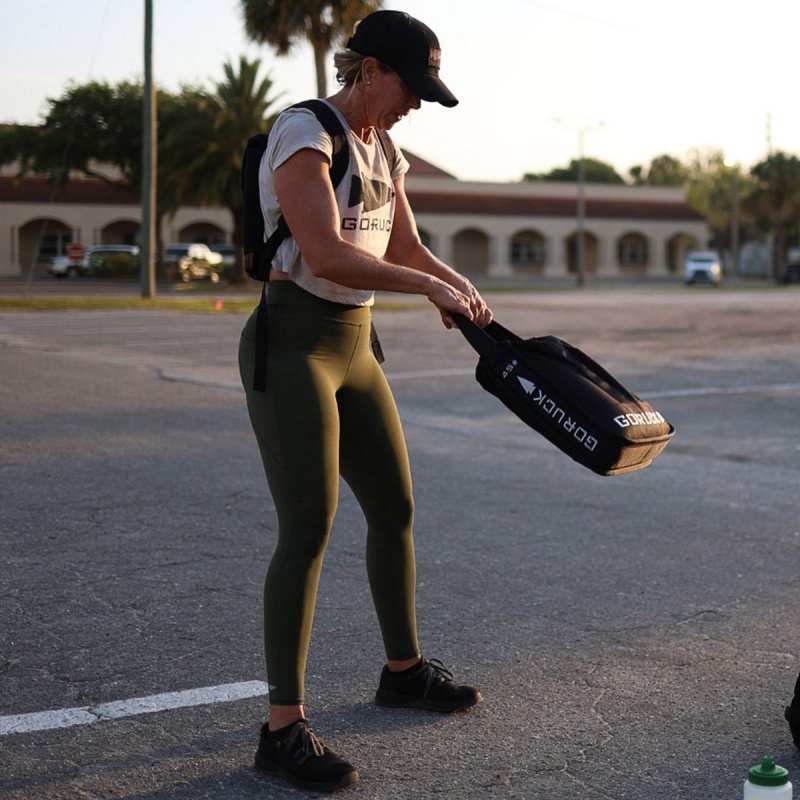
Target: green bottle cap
768, 773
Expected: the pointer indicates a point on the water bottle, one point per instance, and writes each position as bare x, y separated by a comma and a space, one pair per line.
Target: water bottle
767, 781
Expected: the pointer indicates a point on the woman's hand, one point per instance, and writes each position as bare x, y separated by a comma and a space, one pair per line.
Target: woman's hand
481, 313
450, 300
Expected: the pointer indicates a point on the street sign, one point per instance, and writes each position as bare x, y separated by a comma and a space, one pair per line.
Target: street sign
76, 252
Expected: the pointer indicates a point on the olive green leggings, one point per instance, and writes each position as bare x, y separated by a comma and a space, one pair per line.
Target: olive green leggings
328, 410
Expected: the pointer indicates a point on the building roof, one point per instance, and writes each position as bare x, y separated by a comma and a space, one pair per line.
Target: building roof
419, 166
89, 191
548, 206
429, 189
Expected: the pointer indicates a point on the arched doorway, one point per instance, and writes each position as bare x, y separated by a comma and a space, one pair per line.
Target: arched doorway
42, 240
678, 247
528, 252
121, 231
203, 232
590, 249
471, 252
633, 254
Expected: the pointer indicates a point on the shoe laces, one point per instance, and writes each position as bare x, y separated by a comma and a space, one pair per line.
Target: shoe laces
303, 744
435, 672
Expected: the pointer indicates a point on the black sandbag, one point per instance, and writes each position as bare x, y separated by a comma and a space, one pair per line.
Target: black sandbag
569, 398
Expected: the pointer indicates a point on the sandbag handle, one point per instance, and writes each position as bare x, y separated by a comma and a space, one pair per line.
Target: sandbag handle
487, 342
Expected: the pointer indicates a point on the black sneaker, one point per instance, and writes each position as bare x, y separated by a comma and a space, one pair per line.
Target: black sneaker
295, 753
792, 715
428, 685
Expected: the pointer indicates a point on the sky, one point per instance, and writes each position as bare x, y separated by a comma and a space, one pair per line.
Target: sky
631, 79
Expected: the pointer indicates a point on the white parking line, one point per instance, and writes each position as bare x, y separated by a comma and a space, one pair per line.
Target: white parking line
713, 390
431, 373
69, 717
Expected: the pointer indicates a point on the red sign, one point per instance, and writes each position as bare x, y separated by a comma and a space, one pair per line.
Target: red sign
76, 252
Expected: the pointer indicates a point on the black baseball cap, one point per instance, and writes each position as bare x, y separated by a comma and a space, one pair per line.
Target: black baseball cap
409, 47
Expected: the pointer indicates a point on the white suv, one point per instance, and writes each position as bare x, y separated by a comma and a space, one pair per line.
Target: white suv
193, 261
703, 267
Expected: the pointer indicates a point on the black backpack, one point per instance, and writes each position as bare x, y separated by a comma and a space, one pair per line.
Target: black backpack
258, 252
568, 398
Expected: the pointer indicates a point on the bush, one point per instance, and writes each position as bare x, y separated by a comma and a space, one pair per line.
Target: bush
115, 265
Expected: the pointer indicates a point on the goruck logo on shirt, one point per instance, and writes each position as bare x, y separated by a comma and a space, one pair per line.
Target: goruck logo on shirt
370, 195
373, 194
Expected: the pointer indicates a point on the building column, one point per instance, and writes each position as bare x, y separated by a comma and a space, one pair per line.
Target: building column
555, 265
443, 247
606, 258
658, 266
500, 256
15, 260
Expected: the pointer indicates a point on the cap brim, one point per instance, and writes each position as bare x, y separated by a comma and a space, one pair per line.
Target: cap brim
428, 87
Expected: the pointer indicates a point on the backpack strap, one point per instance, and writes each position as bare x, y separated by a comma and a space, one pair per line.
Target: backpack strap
389, 150
340, 161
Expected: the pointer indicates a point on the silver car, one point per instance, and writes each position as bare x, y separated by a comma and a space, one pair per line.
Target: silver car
703, 267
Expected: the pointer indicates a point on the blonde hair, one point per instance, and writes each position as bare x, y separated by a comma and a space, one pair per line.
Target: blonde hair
349, 65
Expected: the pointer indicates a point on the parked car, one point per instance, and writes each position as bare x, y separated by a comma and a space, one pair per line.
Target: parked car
113, 261
703, 267
118, 260
790, 272
65, 267
228, 253
194, 261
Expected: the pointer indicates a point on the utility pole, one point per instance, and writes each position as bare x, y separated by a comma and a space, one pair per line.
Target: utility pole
580, 254
149, 157
581, 249
735, 224
769, 134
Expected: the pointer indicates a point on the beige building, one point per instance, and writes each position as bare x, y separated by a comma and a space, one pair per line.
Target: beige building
520, 230
531, 228
38, 222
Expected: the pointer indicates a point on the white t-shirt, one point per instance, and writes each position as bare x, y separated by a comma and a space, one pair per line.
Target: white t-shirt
365, 197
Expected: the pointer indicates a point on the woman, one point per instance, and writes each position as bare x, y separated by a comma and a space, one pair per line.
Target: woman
328, 409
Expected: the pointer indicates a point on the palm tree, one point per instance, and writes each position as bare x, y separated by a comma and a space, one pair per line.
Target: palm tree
280, 23
205, 138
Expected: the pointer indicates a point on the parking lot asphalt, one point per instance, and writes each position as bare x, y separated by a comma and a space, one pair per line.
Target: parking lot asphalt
634, 637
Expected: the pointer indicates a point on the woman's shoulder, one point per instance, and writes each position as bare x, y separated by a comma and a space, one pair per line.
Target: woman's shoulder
297, 122
296, 129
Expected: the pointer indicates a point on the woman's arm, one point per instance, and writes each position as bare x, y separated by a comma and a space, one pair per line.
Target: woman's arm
305, 194
406, 248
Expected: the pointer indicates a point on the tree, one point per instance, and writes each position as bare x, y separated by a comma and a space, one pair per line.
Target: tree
775, 200
710, 191
664, 170
93, 130
205, 137
280, 23
90, 125
594, 172
712, 188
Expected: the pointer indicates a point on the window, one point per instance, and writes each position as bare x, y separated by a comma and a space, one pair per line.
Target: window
527, 249
632, 251
54, 244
